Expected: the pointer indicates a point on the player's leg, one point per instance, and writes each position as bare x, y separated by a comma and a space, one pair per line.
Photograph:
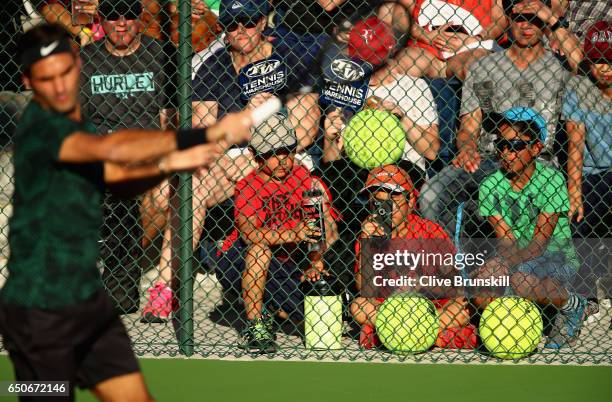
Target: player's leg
161, 301
545, 280
154, 212
257, 261
124, 388
258, 335
109, 367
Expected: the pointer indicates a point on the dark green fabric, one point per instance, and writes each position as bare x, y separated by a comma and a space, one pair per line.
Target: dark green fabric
56, 220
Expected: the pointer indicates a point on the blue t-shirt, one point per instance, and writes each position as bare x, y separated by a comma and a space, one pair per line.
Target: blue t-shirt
584, 103
216, 79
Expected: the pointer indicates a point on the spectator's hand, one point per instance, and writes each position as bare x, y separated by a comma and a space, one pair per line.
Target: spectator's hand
452, 41
258, 100
576, 205
371, 228
306, 231
198, 9
467, 159
86, 36
334, 124
555, 46
374, 102
86, 7
314, 271
536, 7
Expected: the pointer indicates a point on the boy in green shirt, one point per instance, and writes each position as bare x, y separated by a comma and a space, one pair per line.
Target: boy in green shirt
526, 202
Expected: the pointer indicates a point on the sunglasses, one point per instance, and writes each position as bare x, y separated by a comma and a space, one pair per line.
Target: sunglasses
244, 21
115, 16
530, 18
512, 145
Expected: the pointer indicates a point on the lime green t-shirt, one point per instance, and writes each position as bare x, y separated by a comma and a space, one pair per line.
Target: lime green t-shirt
546, 192
57, 215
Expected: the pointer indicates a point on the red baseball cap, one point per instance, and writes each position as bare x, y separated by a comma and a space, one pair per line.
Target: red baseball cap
371, 40
598, 43
390, 177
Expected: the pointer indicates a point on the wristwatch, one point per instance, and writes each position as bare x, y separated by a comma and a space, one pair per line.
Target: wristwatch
561, 23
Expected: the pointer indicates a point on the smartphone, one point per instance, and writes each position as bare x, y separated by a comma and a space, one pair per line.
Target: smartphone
79, 17
382, 212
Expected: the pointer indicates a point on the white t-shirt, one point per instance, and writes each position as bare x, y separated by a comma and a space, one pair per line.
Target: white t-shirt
414, 97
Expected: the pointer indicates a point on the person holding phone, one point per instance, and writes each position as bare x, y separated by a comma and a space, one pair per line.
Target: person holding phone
393, 200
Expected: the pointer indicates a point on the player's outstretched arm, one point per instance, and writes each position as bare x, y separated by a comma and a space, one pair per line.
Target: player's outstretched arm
131, 180
132, 146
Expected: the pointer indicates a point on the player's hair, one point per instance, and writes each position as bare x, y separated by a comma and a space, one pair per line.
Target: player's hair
35, 38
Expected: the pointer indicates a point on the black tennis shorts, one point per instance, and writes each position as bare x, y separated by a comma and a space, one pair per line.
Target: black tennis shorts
83, 344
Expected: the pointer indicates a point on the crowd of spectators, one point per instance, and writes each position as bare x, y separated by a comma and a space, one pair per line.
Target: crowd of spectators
529, 162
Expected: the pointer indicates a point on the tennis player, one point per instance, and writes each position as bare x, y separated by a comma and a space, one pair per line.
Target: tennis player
57, 322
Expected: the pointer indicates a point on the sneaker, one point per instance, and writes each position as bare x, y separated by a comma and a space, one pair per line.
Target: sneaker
159, 306
566, 327
257, 338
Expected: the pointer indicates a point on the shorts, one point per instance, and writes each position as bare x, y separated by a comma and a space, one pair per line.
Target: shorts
282, 289
84, 344
553, 265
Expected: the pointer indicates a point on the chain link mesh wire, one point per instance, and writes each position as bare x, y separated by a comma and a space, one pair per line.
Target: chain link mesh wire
250, 228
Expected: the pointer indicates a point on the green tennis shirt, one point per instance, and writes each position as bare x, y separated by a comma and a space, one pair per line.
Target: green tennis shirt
57, 215
546, 192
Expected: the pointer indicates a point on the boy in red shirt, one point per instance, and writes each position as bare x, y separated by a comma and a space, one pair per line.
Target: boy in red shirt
266, 250
392, 182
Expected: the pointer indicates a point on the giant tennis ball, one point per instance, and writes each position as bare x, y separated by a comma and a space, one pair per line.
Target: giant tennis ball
407, 323
374, 138
511, 327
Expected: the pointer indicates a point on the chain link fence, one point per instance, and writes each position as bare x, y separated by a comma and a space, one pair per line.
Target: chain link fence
494, 124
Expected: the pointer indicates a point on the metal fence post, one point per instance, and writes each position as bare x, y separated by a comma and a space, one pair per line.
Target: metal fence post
185, 212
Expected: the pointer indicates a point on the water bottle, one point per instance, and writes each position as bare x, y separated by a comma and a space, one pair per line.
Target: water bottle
312, 210
322, 314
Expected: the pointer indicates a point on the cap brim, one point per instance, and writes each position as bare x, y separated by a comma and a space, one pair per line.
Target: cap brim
363, 195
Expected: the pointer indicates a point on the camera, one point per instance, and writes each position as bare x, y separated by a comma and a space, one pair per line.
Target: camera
382, 212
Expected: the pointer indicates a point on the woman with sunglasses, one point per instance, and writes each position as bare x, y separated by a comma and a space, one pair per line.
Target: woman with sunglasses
249, 69
527, 205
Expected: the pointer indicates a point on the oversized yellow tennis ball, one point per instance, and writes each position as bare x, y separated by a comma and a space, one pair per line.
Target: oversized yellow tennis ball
374, 138
511, 327
407, 323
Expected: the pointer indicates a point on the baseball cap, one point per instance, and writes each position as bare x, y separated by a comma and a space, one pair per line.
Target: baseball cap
598, 43
371, 40
389, 177
41, 42
112, 10
535, 122
272, 135
233, 10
